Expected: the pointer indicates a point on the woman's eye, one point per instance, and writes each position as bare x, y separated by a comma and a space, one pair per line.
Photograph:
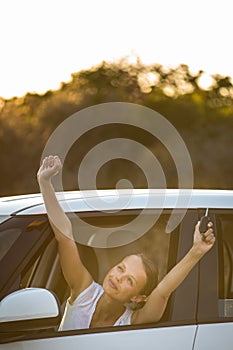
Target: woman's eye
120, 268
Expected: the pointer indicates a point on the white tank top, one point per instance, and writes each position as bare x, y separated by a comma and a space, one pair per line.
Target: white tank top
78, 315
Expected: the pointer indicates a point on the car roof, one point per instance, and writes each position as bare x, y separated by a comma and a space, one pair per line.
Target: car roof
108, 200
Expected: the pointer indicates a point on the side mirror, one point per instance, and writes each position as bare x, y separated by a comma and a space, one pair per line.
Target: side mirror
29, 308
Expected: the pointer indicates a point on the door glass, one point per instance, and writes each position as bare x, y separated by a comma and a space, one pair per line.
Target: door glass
20, 241
7, 239
113, 245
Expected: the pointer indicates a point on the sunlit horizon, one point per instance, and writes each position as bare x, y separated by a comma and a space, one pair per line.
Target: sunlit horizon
44, 42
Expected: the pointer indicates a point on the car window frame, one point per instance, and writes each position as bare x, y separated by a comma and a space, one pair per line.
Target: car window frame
182, 242
208, 310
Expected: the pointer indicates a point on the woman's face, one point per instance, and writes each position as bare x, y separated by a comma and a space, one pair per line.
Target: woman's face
125, 280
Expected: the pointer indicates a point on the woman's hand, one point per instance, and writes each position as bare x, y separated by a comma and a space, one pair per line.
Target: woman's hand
50, 166
203, 242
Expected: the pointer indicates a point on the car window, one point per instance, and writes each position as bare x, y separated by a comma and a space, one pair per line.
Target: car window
38, 265
7, 239
154, 243
21, 240
225, 230
109, 250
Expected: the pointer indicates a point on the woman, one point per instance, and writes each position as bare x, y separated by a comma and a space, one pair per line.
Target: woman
133, 280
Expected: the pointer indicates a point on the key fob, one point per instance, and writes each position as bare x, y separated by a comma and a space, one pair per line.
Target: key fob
204, 224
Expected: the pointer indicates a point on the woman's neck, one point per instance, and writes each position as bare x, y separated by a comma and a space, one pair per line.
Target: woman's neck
110, 305
107, 312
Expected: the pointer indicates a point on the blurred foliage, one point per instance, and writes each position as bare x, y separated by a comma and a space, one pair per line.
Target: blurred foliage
202, 115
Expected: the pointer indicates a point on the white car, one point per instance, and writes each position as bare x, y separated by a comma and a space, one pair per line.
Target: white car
111, 224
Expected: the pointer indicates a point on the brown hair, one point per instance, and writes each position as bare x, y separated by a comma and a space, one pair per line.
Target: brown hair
151, 274
151, 281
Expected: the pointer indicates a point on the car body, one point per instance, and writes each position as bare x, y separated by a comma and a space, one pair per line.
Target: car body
199, 314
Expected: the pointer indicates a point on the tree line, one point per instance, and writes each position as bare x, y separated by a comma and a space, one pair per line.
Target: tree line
202, 115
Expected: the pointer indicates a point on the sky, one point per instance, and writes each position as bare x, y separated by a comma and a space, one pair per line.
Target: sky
43, 42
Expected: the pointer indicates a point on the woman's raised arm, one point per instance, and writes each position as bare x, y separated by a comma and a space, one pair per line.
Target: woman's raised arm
157, 301
75, 273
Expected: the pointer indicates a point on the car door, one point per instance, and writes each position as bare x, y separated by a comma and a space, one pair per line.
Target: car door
177, 328
215, 305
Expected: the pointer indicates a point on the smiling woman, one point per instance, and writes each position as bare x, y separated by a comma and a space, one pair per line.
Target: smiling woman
124, 283
134, 274
93, 305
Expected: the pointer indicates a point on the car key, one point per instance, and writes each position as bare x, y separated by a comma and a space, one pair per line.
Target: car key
204, 222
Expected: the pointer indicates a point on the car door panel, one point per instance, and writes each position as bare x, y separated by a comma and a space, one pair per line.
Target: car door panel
214, 336
165, 338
